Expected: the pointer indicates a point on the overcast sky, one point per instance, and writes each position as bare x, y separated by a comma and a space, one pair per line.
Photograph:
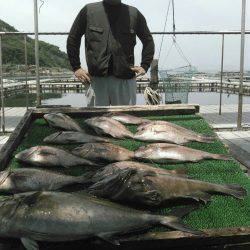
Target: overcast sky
202, 51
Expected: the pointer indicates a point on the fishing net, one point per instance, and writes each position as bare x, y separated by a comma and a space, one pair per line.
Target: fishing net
177, 83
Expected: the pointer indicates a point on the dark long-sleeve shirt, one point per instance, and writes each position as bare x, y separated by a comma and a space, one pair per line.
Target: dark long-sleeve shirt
79, 29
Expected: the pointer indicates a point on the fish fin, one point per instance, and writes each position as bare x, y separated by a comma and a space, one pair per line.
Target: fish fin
200, 196
4, 176
235, 190
31, 199
108, 238
181, 212
30, 244
175, 223
112, 186
173, 220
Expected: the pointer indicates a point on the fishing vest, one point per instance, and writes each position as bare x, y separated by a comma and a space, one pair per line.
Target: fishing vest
103, 41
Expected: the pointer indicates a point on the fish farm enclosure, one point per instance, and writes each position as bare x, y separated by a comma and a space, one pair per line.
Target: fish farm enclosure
226, 221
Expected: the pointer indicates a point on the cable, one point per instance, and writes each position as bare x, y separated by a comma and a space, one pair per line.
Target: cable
174, 27
42, 3
165, 25
181, 53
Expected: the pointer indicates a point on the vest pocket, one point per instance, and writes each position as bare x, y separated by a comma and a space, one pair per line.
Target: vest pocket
95, 33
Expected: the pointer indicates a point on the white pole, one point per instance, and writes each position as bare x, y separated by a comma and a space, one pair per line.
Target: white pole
242, 54
2, 123
38, 87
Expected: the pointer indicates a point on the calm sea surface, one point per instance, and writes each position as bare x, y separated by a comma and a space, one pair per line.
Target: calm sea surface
80, 100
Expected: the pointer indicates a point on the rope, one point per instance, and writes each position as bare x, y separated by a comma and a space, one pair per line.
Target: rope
165, 25
152, 97
175, 43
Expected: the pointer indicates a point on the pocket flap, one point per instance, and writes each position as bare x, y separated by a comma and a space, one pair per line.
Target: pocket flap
97, 29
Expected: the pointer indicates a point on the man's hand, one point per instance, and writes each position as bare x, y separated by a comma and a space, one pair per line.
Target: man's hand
83, 75
140, 71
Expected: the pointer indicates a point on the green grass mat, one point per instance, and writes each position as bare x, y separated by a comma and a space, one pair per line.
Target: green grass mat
222, 212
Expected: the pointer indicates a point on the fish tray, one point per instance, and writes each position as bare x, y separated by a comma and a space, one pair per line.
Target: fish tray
231, 237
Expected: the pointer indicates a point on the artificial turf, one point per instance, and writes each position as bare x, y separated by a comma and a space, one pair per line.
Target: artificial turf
222, 212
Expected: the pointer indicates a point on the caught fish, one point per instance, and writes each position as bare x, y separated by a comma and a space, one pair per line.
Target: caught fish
28, 179
43, 156
148, 188
164, 153
62, 121
109, 126
103, 152
126, 119
161, 131
61, 217
118, 166
69, 137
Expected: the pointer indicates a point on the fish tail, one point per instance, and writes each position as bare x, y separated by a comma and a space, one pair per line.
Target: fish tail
181, 171
219, 157
85, 179
205, 139
174, 220
233, 190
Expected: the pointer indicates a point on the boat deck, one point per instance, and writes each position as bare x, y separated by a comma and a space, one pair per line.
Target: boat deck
224, 125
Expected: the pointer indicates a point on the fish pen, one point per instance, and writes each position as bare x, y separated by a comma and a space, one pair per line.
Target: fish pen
225, 221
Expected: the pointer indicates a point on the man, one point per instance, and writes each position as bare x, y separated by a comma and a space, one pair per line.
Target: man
110, 28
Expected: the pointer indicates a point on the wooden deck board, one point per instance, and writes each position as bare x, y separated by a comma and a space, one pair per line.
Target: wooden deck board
12, 117
3, 140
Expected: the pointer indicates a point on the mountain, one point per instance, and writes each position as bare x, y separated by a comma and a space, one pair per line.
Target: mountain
13, 50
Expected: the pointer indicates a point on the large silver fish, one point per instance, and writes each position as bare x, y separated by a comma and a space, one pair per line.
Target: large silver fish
164, 153
44, 156
103, 152
161, 131
109, 126
148, 188
69, 137
126, 119
62, 121
29, 179
61, 217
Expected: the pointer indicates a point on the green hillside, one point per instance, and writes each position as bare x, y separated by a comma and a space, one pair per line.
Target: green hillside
13, 51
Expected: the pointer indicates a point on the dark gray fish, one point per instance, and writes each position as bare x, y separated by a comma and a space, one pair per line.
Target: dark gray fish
29, 179
161, 131
123, 165
44, 156
148, 188
72, 138
109, 126
62, 121
103, 152
164, 153
61, 217
126, 119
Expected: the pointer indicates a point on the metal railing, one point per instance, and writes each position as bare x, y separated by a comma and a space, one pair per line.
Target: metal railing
222, 34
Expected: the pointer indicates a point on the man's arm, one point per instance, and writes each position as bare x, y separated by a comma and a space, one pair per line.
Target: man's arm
78, 29
147, 40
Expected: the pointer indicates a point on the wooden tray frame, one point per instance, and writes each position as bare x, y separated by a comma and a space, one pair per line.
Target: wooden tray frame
226, 238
